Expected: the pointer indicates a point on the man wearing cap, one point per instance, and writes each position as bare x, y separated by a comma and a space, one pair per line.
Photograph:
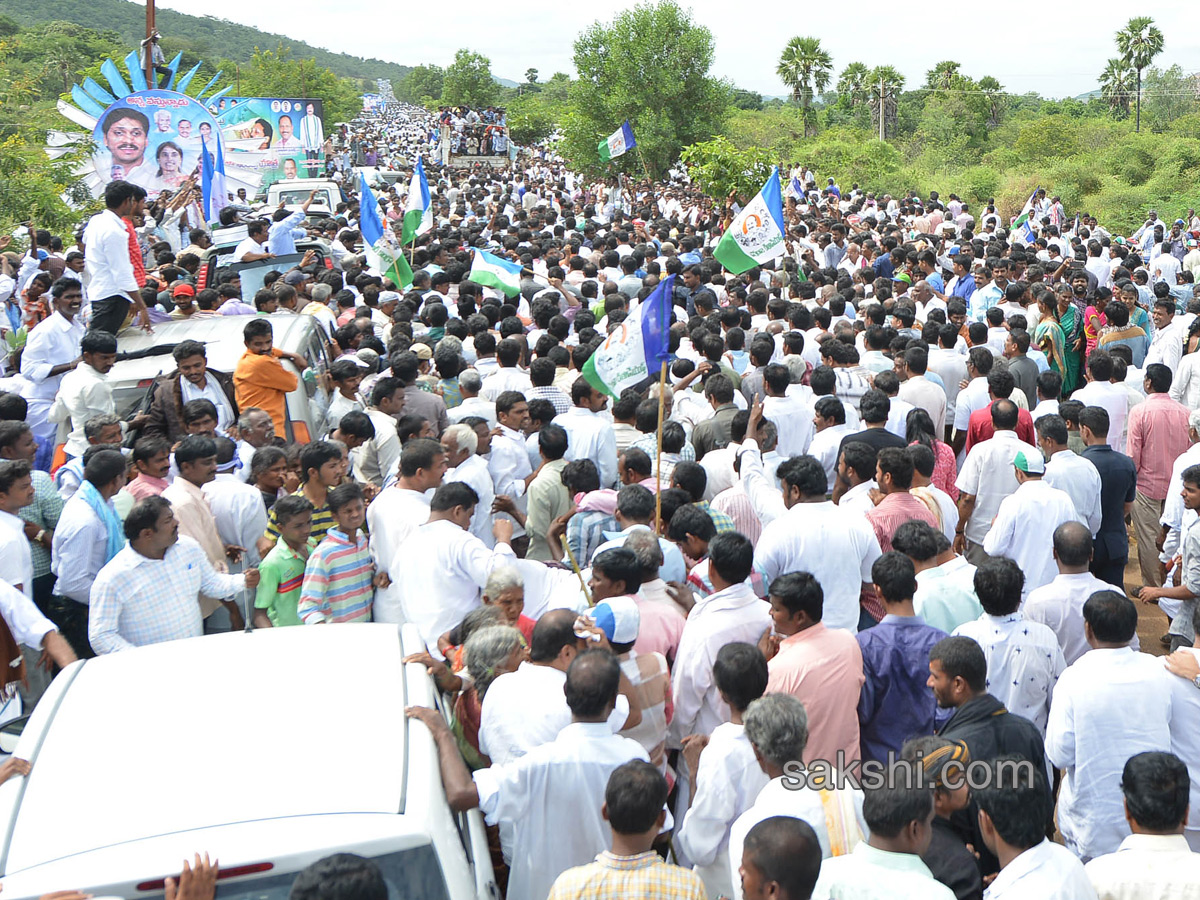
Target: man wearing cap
1023, 529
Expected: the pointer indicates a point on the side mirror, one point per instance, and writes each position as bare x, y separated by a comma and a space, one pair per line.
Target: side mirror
10, 734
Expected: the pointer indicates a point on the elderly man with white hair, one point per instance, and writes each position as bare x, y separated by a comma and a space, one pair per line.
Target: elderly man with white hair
319, 308
777, 727
469, 385
463, 463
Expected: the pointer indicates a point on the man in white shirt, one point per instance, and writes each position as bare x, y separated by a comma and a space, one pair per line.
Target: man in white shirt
84, 392
1024, 660
829, 419
1059, 604
441, 567
1155, 860
731, 613
397, 511
975, 395
777, 728
1100, 391
1069, 472
470, 385
590, 434
466, 450
51, 351
254, 246
918, 390
987, 477
509, 376
1166, 344
551, 797
1014, 807
949, 365
1026, 520
375, 460
1099, 688
726, 776
791, 415
112, 284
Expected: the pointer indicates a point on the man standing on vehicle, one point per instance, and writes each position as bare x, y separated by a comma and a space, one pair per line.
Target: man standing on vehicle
254, 247
191, 380
285, 228
112, 284
260, 379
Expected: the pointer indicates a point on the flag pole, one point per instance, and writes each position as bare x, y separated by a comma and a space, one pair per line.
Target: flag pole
662, 401
587, 595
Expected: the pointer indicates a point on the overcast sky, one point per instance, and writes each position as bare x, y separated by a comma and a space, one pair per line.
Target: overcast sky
1056, 50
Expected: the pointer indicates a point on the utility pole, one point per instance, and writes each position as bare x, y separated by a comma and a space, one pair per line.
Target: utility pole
148, 56
882, 107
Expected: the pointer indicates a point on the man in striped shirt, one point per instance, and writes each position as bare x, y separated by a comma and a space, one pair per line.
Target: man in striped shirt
339, 577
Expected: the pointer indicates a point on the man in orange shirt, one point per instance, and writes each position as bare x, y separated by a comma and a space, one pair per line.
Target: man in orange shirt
260, 379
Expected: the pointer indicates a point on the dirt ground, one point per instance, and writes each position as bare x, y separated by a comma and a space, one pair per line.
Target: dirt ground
1152, 622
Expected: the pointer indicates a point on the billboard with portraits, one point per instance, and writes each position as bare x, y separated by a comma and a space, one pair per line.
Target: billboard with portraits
284, 136
153, 138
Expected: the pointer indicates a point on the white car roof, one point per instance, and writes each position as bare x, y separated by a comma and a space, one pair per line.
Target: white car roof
209, 731
221, 335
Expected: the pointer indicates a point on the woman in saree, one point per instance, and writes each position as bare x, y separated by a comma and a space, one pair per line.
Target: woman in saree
1049, 336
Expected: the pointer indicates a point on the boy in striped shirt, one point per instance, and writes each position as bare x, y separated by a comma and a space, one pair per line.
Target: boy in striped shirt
339, 577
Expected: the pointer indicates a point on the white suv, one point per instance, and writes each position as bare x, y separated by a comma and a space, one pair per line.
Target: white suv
268, 750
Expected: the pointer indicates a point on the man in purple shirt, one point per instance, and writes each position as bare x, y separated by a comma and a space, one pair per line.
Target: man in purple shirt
895, 703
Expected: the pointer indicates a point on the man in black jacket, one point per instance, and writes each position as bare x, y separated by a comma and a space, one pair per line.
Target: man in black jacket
1118, 488
958, 677
191, 380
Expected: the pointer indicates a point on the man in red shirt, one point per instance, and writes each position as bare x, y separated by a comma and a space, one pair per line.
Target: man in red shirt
1000, 387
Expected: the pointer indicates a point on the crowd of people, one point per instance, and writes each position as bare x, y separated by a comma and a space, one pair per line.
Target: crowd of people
876, 523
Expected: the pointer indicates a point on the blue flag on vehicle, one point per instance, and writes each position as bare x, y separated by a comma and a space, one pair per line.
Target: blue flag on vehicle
213, 191
382, 252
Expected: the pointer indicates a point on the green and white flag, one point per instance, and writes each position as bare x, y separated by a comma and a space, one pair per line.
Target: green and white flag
418, 211
1021, 228
756, 235
617, 143
495, 272
382, 253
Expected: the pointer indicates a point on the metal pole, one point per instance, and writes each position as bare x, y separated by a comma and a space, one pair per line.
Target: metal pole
148, 59
882, 107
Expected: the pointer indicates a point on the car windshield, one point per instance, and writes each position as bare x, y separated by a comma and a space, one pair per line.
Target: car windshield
295, 198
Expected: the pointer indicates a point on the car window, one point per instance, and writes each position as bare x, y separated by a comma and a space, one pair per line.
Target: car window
317, 354
409, 874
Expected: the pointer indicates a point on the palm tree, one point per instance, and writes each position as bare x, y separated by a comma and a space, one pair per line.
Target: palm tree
1138, 43
943, 75
884, 84
993, 97
1116, 86
852, 84
805, 67
531, 75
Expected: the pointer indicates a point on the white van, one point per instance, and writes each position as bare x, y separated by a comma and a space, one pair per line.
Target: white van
291, 192
268, 750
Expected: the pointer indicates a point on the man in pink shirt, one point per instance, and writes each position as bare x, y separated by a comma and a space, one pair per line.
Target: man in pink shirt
821, 667
662, 618
1158, 435
894, 475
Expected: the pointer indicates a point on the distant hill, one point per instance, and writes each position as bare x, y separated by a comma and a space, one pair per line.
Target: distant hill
208, 37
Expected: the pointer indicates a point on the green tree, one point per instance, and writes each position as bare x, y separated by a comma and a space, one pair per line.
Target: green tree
650, 66
532, 118
1138, 43
274, 73
721, 169
421, 83
1170, 94
993, 98
852, 85
943, 75
469, 82
805, 67
1116, 86
531, 75
743, 99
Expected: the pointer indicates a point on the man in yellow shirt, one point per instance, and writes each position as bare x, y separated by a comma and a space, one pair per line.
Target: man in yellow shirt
260, 379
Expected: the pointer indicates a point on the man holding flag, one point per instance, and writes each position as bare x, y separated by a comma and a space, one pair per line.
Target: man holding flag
382, 253
617, 143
